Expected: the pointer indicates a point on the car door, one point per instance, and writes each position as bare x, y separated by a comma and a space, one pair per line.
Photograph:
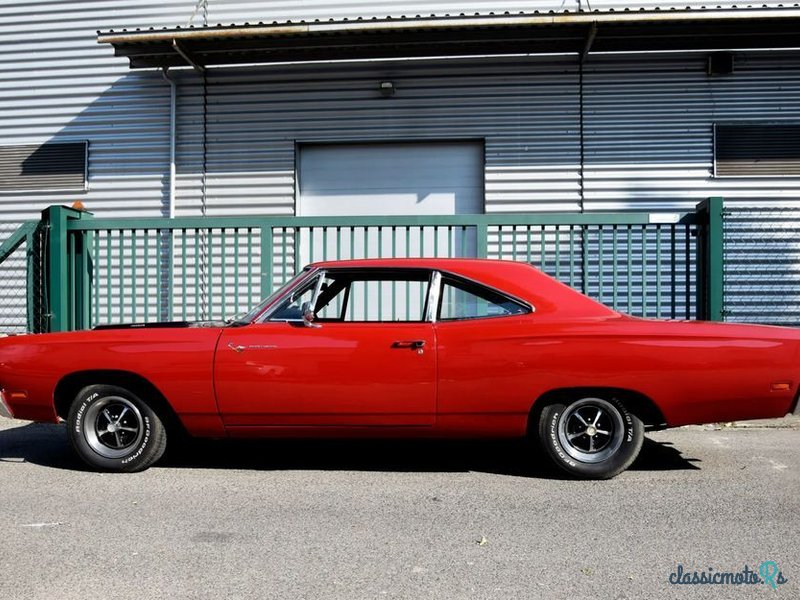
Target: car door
367, 359
486, 358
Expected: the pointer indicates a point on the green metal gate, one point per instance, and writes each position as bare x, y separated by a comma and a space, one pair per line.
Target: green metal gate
100, 270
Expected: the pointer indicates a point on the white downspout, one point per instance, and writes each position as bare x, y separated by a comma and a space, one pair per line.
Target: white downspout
173, 94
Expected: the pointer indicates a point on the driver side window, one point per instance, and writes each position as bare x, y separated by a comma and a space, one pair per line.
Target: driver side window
291, 307
359, 296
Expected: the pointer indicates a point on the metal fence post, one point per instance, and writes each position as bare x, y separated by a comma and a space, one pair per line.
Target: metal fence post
61, 290
711, 263
482, 243
30, 294
267, 261
82, 290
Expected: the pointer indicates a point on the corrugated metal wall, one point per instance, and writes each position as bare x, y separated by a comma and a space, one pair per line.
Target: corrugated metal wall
238, 11
676, 4
58, 84
648, 119
648, 127
525, 109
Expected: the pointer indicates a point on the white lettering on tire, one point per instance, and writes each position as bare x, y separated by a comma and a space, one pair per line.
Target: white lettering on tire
554, 439
138, 452
79, 416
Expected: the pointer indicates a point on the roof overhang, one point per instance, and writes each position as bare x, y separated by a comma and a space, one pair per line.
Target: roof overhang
552, 33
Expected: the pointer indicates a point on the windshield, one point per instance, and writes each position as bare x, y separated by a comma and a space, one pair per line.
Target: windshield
245, 318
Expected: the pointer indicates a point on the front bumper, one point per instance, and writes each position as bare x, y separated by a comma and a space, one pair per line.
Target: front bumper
5, 409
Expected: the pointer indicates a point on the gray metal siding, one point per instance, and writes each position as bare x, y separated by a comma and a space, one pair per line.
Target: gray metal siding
526, 110
648, 120
676, 4
58, 84
648, 125
649, 129
253, 11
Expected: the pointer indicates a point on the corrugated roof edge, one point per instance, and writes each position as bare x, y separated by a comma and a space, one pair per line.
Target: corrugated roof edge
448, 16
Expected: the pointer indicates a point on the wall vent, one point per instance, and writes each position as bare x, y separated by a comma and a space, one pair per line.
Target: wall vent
54, 166
757, 150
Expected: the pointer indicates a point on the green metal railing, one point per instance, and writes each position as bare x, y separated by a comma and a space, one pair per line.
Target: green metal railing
101, 270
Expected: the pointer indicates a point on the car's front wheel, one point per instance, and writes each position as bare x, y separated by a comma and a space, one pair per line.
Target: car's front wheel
590, 437
112, 429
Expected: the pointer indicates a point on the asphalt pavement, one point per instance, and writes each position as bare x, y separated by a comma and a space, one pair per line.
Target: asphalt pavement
366, 519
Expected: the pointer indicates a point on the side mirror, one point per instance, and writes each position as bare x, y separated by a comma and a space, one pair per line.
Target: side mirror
308, 315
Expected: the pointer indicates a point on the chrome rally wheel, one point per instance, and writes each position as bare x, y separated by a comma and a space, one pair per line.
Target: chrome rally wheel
591, 430
590, 437
112, 429
112, 425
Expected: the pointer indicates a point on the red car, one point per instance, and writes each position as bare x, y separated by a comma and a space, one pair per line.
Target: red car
406, 348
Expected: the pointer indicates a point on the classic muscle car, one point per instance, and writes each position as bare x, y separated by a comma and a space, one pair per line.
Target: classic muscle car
403, 347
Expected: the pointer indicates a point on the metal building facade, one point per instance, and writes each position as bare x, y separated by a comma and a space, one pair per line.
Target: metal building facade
240, 11
648, 127
647, 119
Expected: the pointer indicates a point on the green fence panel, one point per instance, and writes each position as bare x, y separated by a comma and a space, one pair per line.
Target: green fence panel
102, 270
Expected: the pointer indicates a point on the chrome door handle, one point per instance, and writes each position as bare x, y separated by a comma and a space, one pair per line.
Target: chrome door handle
413, 344
235, 348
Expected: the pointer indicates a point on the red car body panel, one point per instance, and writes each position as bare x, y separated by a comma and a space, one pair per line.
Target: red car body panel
476, 377
340, 374
179, 362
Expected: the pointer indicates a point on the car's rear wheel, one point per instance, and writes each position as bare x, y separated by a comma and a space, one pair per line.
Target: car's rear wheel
590, 437
112, 429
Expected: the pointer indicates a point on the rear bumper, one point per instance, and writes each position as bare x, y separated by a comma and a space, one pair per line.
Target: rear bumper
5, 409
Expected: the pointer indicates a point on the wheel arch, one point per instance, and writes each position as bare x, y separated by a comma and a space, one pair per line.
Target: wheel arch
637, 403
69, 386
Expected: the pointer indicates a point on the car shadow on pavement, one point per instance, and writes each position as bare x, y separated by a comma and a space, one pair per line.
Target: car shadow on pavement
47, 445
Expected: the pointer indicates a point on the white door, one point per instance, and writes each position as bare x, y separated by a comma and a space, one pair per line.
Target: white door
385, 179
437, 178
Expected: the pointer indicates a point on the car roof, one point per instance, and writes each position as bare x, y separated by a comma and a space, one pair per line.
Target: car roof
518, 279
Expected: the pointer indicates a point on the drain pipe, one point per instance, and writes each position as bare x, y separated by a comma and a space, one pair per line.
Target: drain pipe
165, 250
173, 94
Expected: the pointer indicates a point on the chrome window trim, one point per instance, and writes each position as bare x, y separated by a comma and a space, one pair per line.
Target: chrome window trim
318, 288
434, 290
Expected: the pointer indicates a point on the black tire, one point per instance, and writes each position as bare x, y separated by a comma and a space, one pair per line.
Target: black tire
112, 429
590, 437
